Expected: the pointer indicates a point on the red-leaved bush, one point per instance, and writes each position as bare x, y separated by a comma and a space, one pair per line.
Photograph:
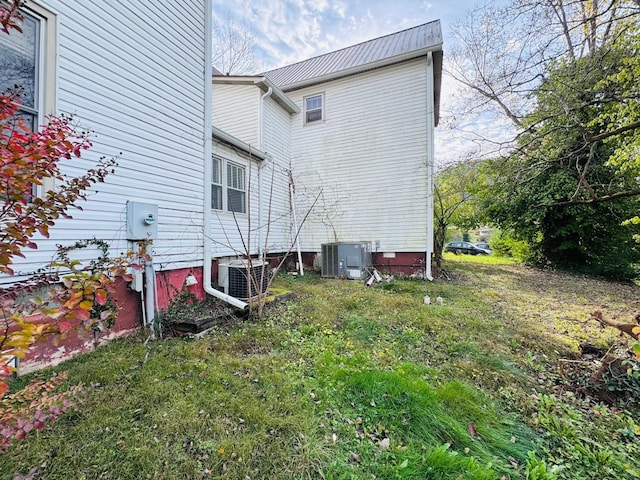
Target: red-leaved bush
67, 295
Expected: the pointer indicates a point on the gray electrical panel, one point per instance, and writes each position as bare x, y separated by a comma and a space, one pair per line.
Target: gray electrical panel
142, 221
346, 259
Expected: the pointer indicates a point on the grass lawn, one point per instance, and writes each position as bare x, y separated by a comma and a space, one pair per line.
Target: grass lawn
500, 381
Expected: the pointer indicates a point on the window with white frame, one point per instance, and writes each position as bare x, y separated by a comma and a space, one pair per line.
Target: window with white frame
236, 190
228, 192
314, 108
27, 61
216, 184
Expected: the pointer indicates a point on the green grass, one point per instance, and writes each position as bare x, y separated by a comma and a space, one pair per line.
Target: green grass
350, 382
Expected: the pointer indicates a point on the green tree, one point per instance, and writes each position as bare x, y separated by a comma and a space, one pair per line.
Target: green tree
572, 181
455, 204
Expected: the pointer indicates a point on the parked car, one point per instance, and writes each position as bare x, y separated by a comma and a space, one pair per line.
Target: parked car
465, 247
484, 246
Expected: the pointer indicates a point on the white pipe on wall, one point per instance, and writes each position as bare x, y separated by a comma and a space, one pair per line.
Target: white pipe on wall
149, 294
430, 162
261, 147
208, 165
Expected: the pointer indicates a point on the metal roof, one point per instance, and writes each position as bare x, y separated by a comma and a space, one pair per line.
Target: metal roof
382, 51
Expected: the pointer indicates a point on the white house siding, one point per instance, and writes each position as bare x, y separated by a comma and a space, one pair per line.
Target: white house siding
232, 232
235, 110
368, 158
277, 144
133, 73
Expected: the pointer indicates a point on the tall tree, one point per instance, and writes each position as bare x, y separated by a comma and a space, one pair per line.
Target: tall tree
234, 47
562, 73
502, 52
568, 186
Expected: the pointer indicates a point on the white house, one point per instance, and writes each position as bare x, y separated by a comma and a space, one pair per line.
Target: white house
351, 130
138, 74
354, 128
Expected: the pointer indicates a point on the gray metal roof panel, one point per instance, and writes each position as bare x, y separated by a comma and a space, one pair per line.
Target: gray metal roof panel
400, 44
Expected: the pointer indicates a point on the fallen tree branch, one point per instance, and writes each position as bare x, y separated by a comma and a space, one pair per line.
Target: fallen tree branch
631, 329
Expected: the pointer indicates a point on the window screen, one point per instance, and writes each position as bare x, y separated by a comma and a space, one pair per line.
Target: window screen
19, 60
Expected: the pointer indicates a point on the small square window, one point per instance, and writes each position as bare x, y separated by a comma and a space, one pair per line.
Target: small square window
314, 108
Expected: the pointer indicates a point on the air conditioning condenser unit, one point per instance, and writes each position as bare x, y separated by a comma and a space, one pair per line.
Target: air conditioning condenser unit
346, 259
242, 279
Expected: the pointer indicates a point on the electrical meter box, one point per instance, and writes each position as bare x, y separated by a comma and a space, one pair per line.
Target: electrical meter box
346, 259
142, 221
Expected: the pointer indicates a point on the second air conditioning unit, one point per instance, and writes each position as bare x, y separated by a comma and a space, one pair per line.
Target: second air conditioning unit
242, 279
346, 259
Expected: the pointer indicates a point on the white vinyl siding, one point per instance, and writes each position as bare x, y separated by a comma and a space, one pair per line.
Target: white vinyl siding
277, 141
370, 174
133, 73
236, 111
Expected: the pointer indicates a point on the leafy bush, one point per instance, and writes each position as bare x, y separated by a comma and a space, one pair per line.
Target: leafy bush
505, 246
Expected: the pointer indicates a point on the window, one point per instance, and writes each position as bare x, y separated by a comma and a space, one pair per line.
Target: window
28, 59
228, 193
216, 184
236, 194
314, 108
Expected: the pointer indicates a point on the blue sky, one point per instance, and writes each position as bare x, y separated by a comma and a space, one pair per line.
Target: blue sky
287, 31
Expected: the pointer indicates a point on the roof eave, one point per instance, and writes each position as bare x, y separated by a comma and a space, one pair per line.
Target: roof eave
235, 142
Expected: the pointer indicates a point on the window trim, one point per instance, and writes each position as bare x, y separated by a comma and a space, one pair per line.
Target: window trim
306, 111
48, 65
220, 170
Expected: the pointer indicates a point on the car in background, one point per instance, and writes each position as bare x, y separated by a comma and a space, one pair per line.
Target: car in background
465, 247
484, 246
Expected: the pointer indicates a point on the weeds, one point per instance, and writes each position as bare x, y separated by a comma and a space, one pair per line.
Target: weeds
349, 382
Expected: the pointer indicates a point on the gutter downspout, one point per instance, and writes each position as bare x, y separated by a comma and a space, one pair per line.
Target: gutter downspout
430, 162
261, 147
208, 164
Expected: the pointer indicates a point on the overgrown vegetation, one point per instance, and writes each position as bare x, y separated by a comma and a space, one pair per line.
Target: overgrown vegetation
349, 382
564, 181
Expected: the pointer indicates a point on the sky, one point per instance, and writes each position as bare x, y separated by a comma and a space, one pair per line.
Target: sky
287, 31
